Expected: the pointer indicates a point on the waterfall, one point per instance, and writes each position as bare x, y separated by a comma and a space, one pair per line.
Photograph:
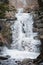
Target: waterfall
24, 2
23, 36
24, 45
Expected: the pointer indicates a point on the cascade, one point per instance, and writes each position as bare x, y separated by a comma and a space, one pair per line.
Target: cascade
24, 45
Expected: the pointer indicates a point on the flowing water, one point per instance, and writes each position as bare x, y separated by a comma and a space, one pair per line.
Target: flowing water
24, 45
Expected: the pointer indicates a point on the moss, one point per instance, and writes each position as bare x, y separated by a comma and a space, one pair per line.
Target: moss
3, 8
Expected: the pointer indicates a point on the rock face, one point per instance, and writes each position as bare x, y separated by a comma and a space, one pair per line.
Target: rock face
5, 33
24, 3
38, 24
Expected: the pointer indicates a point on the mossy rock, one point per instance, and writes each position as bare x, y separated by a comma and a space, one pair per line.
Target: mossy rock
3, 8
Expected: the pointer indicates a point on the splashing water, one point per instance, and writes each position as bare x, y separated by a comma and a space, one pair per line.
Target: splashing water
24, 45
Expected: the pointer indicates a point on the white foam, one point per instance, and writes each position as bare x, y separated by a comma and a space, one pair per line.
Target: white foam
20, 54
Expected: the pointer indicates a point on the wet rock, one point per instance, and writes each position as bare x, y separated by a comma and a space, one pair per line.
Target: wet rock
4, 57
39, 60
11, 19
27, 62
